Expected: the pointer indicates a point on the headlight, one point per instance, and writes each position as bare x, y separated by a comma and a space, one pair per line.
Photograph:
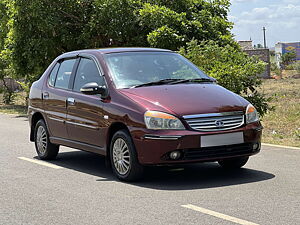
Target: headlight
159, 120
251, 114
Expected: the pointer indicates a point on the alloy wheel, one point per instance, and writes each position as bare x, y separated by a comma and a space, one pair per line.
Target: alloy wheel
121, 156
41, 140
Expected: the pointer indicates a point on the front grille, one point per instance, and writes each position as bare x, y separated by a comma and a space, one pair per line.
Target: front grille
215, 121
218, 151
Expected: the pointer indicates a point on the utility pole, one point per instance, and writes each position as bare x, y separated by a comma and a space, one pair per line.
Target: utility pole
265, 43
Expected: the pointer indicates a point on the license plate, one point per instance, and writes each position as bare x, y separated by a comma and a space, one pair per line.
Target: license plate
222, 139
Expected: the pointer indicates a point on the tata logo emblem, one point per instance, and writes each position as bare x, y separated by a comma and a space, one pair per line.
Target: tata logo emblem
219, 123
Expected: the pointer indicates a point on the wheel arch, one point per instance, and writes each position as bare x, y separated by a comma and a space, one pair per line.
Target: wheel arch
35, 118
111, 131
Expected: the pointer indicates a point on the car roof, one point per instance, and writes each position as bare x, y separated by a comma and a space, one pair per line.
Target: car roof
114, 50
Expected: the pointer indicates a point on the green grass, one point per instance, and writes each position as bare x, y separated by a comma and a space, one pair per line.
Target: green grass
13, 109
282, 126
19, 107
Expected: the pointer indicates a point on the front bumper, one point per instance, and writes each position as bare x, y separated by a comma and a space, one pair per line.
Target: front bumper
154, 147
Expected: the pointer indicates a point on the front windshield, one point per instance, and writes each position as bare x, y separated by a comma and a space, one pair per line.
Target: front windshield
131, 69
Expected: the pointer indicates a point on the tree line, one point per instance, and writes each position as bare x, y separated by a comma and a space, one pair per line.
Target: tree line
34, 32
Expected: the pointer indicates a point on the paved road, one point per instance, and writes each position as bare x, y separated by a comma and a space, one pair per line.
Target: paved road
81, 190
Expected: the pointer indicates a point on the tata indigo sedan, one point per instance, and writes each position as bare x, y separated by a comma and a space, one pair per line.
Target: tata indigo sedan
140, 107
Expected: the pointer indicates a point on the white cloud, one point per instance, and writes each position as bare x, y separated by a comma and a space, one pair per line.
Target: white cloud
292, 1
273, 12
244, 1
258, 13
289, 11
232, 18
281, 20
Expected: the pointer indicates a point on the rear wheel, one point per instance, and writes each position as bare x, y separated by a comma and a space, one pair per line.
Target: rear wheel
123, 157
44, 148
233, 163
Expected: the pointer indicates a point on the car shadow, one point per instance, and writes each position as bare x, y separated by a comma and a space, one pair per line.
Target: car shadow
184, 177
24, 117
200, 176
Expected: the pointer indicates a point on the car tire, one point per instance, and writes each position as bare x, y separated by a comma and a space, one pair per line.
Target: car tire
44, 148
123, 156
233, 163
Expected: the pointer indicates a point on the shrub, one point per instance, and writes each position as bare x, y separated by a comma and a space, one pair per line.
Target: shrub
294, 66
274, 68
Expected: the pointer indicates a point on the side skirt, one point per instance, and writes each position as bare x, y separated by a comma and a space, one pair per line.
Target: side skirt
78, 145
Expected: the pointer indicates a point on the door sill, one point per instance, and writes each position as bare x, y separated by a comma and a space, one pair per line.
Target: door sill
78, 145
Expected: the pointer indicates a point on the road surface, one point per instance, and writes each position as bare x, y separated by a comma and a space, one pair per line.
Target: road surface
77, 188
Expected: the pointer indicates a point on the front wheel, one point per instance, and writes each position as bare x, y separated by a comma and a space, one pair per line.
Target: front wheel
123, 157
233, 163
44, 148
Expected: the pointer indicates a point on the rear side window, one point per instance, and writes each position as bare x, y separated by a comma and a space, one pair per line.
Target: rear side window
52, 76
64, 74
87, 72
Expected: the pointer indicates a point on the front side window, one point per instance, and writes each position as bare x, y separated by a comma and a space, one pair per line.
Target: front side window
129, 69
87, 72
64, 74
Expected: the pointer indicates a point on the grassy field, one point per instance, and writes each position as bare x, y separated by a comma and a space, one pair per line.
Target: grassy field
281, 126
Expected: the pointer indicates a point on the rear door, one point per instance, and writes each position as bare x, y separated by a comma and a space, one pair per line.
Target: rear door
55, 95
85, 118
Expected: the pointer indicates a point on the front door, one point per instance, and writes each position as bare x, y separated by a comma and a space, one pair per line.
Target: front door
85, 116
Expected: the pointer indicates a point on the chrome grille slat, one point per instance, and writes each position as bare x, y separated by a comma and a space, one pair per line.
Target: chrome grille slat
207, 122
197, 121
233, 121
204, 127
209, 115
202, 124
233, 118
208, 127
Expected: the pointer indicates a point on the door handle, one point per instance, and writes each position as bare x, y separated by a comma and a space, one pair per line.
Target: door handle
71, 101
45, 95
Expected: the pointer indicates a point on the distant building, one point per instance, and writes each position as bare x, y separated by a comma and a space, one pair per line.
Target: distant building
246, 45
262, 53
282, 47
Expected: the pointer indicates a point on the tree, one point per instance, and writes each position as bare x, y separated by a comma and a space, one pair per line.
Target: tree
43, 29
5, 71
258, 46
232, 68
288, 58
171, 24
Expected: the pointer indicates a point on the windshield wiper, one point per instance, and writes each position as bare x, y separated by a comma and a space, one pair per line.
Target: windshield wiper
159, 82
179, 81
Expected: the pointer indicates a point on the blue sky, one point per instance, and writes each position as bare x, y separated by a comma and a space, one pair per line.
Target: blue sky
280, 17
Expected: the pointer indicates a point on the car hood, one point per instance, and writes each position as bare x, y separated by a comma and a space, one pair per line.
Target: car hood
186, 99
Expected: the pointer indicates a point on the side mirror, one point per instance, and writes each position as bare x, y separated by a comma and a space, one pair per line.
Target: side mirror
93, 89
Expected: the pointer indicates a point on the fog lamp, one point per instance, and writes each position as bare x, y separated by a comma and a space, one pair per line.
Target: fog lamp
175, 155
256, 146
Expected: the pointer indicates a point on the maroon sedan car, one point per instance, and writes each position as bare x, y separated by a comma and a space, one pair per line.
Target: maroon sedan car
138, 107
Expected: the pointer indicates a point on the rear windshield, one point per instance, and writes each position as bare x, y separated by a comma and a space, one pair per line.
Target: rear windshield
135, 68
